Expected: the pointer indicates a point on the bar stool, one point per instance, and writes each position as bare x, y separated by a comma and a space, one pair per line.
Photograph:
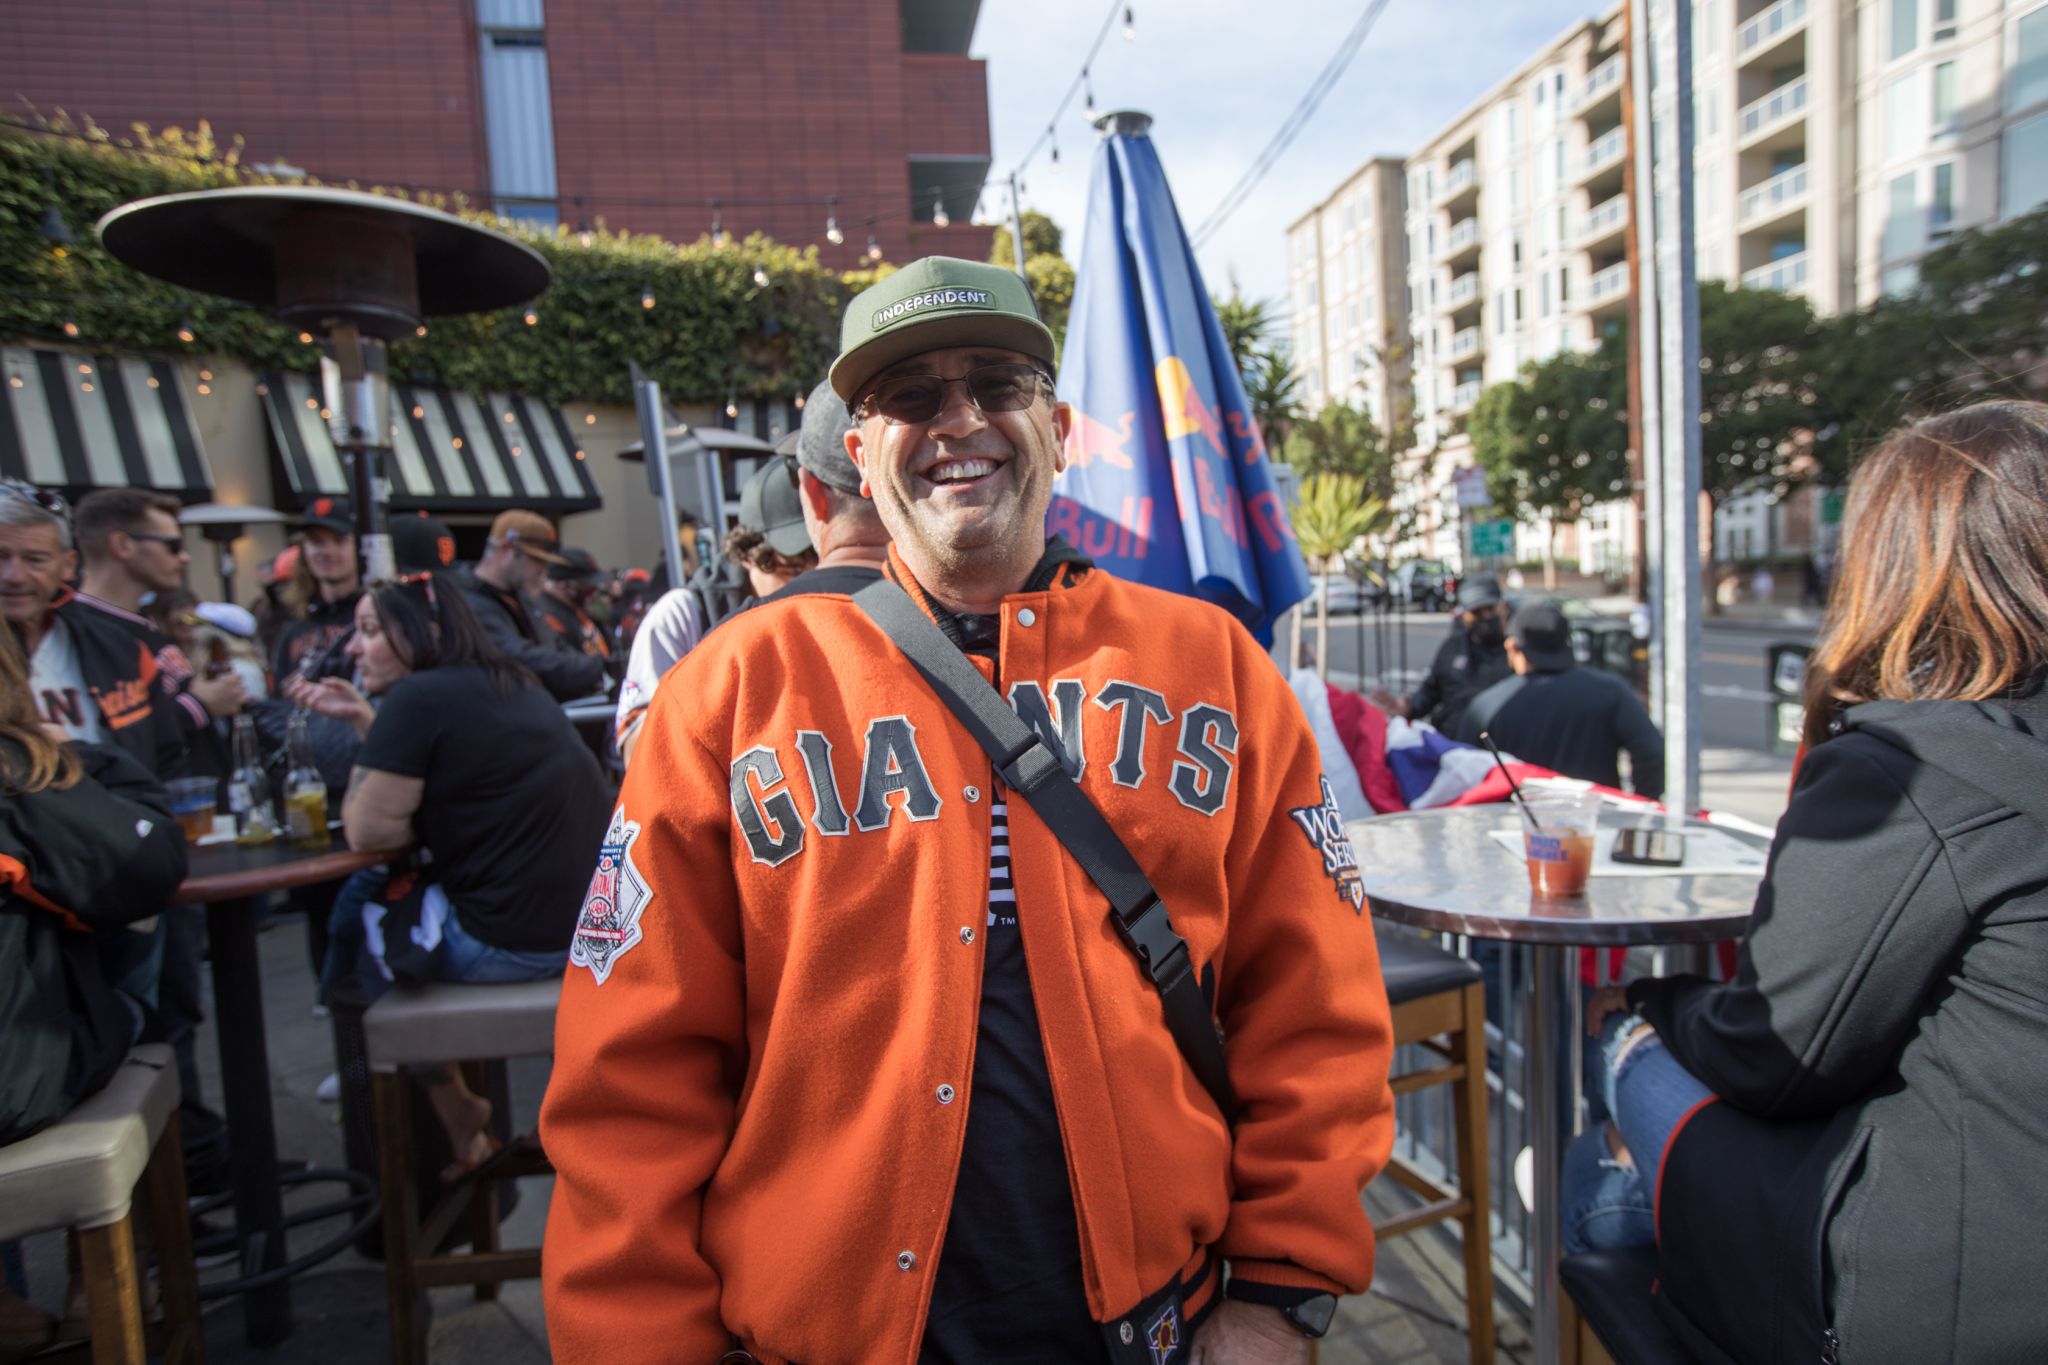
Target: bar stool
1439, 1004
433, 1025
82, 1173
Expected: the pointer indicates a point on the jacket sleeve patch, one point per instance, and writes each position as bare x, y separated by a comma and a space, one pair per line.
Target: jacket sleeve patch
1324, 827
610, 923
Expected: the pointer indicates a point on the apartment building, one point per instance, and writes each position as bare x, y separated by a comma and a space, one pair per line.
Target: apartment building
1835, 143
1348, 294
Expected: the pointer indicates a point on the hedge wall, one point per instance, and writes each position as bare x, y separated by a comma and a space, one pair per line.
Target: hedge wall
713, 333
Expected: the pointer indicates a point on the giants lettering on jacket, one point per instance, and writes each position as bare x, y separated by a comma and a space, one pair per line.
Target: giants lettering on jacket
891, 775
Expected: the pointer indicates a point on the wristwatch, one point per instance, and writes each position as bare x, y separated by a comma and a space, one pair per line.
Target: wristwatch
1311, 1317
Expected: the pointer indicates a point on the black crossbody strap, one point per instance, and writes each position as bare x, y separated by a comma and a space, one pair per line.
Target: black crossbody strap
1032, 770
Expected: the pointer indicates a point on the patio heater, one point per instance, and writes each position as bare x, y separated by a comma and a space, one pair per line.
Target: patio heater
223, 524
353, 272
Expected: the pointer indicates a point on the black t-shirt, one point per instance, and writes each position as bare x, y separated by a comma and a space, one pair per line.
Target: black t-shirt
514, 807
320, 635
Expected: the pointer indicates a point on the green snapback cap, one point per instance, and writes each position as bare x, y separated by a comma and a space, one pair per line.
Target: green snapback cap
931, 304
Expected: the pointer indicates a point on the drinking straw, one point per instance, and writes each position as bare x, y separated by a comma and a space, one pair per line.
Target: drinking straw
1513, 790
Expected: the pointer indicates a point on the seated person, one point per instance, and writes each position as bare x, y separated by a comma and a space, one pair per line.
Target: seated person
470, 757
1837, 1152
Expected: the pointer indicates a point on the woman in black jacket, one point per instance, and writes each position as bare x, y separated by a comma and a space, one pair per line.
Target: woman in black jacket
1854, 1173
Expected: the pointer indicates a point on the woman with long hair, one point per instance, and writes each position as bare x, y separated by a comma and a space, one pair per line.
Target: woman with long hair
1837, 1152
467, 756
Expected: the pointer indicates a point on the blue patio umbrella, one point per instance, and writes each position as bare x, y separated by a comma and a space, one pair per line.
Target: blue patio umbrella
1168, 481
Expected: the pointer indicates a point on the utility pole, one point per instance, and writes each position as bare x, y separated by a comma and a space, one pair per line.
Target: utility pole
1645, 426
1635, 79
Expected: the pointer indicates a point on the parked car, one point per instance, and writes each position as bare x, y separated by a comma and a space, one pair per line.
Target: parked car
1425, 583
1346, 595
1608, 643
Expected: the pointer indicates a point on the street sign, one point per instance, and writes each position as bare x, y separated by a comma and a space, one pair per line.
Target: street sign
1470, 483
1493, 539
1831, 507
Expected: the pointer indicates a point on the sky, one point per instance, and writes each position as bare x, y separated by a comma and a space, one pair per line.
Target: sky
1219, 77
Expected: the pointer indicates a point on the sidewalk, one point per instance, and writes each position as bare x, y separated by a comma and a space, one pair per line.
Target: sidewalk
1737, 616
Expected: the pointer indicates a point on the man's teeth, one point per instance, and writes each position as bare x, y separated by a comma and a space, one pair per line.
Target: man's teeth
959, 471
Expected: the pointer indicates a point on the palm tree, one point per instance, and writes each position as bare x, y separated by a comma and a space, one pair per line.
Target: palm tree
1331, 514
1245, 323
1274, 391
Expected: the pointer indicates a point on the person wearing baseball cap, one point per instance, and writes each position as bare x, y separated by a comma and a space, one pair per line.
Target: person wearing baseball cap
522, 545
421, 544
560, 608
1471, 659
1572, 720
834, 979
330, 576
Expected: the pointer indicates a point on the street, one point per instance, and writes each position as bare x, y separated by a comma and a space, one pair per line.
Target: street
1733, 709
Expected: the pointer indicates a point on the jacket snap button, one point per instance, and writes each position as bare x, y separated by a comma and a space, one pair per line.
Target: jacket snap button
1026, 617
905, 1259
1125, 1334
970, 794
967, 933
945, 1093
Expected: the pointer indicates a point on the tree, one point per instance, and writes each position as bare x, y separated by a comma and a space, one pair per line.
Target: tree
1757, 408
1342, 440
1555, 440
1274, 391
1246, 325
1332, 513
1046, 270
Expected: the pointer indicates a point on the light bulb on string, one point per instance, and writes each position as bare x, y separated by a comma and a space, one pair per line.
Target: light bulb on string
1088, 94
761, 277
1130, 24
420, 330
940, 218
800, 402
874, 248
647, 298
70, 327
584, 236
732, 407
532, 316
718, 237
185, 333
1055, 146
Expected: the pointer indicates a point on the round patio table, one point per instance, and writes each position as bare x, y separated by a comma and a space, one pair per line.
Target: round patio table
1441, 870
226, 878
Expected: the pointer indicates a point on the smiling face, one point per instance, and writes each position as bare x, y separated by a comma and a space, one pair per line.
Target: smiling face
331, 558
377, 654
33, 566
965, 493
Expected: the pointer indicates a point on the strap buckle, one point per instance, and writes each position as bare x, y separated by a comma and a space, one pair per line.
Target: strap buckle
1150, 935
1031, 769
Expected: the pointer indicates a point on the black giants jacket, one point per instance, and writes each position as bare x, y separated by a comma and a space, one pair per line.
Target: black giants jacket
504, 618
143, 709
1868, 1186
94, 857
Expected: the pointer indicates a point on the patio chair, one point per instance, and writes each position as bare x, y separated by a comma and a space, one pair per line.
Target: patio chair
82, 1173
431, 1026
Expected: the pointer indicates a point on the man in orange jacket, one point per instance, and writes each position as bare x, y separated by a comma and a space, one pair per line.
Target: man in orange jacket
851, 1063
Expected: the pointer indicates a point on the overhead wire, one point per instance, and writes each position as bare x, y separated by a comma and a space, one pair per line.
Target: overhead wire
1289, 129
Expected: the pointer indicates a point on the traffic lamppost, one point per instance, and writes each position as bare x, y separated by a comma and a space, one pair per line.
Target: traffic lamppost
353, 271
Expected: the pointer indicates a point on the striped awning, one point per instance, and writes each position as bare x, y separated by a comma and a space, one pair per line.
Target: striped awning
450, 452
76, 420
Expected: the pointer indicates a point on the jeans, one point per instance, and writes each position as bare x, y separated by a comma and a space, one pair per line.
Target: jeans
1608, 1204
344, 939
458, 955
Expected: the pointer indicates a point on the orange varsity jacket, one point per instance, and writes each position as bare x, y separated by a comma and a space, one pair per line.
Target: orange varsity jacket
772, 979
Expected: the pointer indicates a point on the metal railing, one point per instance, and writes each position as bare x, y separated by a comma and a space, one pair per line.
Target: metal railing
1463, 290
1609, 146
1463, 234
1465, 344
1465, 396
1461, 176
1782, 275
1602, 79
1604, 218
1772, 194
1609, 283
1778, 19
1781, 104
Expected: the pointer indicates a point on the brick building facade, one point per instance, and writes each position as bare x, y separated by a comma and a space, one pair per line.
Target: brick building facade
650, 115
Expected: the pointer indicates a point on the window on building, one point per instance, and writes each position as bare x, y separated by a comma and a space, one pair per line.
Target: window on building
1514, 187
1500, 312
1514, 125
1557, 158
1564, 284
1515, 250
2029, 83
1941, 203
1944, 27
1902, 221
1903, 134
2026, 166
1905, 27
1900, 281
1942, 116
519, 115
1545, 303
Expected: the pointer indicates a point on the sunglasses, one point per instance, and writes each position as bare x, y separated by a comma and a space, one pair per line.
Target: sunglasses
910, 399
43, 498
424, 582
174, 544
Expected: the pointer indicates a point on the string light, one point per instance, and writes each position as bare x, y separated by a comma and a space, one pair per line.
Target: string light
151, 381
70, 327
1055, 145
589, 419
1130, 24
313, 405
584, 236
205, 389
532, 316
185, 333
1088, 89
732, 409
262, 390
305, 338
417, 411
647, 298
940, 218
718, 237
84, 387
85, 369
760, 277
206, 376
800, 402
579, 454
832, 232
420, 330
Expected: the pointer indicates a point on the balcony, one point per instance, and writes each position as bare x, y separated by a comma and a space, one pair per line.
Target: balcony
1459, 184
1605, 221
1762, 204
1602, 82
1785, 276
1464, 345
1762, 34
1461, 241
1606, 289
1465, 397
1464, 290
1604, 154
1772, 112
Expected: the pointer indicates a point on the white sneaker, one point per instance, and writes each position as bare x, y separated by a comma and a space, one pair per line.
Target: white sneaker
1525, 1177
329, 1090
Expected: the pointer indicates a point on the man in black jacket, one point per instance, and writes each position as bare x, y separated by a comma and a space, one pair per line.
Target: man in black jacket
521, 547
1572, 720
1473, 658
314, 644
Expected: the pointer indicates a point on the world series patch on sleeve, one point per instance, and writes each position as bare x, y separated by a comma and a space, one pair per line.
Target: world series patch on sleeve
609, 926
1324, 826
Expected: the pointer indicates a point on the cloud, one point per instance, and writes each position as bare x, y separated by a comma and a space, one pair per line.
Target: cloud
1219, 77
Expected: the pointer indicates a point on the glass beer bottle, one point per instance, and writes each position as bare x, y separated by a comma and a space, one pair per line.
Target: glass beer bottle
249, 788
305, 792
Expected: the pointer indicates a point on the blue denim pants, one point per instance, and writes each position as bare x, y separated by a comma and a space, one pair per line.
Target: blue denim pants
1607, 1204
458, 955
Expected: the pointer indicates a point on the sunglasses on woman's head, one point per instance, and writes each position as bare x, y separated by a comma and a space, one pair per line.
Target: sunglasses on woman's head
912, 398
425, 582
50, 502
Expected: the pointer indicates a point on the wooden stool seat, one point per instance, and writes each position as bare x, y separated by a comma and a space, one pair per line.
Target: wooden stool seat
81, 1173
439, 1024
